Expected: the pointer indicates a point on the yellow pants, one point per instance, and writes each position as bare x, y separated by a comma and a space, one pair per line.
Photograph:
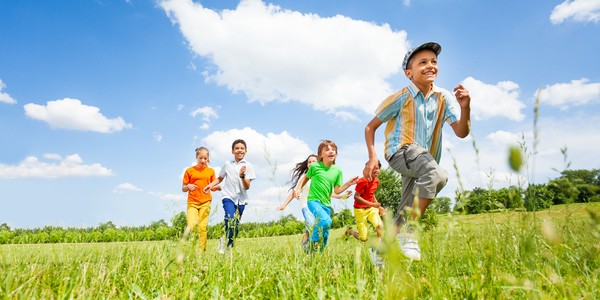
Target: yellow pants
197, 215
363, 215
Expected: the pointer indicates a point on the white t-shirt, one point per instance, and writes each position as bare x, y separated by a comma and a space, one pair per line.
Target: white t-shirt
231, 186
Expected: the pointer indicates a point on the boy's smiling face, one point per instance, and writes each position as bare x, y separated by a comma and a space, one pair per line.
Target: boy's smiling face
239, 151
328, 155
423, 68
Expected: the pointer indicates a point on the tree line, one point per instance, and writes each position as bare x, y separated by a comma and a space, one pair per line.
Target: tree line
572, 186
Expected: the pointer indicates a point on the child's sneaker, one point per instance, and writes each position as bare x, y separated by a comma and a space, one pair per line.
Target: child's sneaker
221, 245
376, 259
409, 246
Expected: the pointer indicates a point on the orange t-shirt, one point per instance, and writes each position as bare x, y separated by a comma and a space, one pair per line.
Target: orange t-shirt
201, 177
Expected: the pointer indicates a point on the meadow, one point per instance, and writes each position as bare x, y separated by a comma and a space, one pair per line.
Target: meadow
549, 254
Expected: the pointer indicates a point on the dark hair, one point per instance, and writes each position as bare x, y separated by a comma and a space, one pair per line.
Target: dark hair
300, 169
325, 143
238, 141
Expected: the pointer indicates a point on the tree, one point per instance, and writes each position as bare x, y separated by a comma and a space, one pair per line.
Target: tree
389, 192
564, 191
179, 222
441, 205
537, 197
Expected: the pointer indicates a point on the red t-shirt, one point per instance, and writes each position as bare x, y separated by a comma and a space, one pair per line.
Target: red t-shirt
366, 190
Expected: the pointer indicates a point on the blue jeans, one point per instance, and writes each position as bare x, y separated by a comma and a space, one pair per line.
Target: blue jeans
233, 215
322, 215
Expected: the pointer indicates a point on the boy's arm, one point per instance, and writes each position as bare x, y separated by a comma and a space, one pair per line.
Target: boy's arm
370, 141
462, 127
358, 198
209, 186
341, 188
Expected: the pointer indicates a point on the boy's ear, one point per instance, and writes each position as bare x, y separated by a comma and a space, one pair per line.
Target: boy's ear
408, 74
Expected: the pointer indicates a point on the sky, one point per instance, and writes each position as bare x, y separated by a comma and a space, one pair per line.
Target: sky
102, 103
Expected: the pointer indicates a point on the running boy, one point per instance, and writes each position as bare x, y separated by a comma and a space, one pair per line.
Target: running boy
325, 178
195, 179
236, 176
367, 208
413, 136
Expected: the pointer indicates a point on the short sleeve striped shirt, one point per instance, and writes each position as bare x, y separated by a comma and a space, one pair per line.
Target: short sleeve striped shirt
413, 118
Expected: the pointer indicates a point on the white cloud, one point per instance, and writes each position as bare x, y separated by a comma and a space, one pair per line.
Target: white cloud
502, 137
170, 196
328, 63
5, 97
577, 10
73, 115
157, 136
72, 165
207, 114
500, 100
123, 187
577, 92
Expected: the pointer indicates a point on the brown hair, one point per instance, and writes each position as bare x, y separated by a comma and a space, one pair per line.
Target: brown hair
325, 143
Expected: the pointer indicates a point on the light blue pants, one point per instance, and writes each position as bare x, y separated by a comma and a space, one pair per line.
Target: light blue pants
322, 215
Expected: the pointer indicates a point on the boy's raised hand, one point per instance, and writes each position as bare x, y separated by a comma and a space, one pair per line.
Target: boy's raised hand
463, 96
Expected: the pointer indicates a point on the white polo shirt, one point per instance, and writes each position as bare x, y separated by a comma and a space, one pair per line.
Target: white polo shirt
231, 186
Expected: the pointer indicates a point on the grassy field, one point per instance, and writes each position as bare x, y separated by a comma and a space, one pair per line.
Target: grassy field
547, 255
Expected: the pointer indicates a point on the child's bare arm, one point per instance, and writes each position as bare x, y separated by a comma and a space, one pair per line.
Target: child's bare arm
370, 141
341, 188
215, 182
461, 127
286, 202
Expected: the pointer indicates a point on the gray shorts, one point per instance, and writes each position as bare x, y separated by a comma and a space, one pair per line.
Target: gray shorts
421, 176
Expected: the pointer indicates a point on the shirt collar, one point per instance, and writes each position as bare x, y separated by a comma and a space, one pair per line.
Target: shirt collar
414, 90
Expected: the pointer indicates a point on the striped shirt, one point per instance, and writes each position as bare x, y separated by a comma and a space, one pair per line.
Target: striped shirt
413, 118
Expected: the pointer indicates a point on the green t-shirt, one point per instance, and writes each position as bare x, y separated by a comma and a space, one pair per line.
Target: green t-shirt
322, 182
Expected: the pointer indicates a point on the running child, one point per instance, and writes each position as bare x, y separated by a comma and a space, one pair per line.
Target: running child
367, 208
413, 137
195, 179
325, 178
235, 178
309, 220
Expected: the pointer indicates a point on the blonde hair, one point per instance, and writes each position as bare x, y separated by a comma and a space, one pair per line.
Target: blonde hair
323, 145
205, 149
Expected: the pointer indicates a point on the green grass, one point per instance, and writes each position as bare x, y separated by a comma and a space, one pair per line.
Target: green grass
547, 255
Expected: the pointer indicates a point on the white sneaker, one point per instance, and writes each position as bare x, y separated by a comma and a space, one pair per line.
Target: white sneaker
376, 259
221, 245
409, 246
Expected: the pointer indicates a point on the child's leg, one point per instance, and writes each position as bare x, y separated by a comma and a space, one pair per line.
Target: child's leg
360, 214
229, 208
192, 218
374, 218
323, 219
420, 172
309, 223
203, 212
238, 216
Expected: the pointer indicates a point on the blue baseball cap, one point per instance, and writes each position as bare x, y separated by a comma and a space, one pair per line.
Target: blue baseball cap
435, 47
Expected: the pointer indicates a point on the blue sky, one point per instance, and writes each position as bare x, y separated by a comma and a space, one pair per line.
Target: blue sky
102, 103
